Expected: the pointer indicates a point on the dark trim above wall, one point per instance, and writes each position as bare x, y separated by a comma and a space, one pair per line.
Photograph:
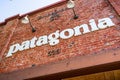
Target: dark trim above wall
80, 72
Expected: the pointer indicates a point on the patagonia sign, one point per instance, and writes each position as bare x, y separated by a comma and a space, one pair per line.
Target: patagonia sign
53, 38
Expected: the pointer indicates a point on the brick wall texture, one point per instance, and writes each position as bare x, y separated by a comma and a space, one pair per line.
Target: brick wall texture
88, 44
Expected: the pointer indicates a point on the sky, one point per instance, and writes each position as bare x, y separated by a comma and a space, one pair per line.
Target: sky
10, 8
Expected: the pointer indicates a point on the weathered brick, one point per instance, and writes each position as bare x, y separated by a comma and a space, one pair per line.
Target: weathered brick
83, 45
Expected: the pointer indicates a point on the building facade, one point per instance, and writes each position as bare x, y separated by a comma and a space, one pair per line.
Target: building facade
61, 46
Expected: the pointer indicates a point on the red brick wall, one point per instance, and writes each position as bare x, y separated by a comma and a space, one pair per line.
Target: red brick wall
90, 43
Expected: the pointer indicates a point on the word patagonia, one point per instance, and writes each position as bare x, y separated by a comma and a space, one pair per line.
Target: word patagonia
53, 38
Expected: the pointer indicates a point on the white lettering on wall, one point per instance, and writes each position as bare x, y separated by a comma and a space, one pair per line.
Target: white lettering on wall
93, 25
67, 33
104, 23
25, 45
32, 42
13, 49
53, 38
42, 40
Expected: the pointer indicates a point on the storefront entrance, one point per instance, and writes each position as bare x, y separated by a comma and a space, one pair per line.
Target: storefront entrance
109, 75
